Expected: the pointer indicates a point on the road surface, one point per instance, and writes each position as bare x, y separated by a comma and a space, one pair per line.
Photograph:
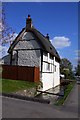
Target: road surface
15, 108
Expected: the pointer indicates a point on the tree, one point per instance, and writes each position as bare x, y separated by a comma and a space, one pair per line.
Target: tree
6, 32
77, 69
66, 68
7, 35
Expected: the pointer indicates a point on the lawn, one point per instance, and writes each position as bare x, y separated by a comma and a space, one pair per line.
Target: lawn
9, 86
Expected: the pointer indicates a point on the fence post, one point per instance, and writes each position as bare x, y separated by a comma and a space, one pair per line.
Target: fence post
36, 74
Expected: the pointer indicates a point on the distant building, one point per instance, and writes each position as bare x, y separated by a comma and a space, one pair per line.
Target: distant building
1, 61
5, 60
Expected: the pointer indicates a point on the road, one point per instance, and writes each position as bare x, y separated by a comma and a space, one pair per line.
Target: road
0, 108
15, 108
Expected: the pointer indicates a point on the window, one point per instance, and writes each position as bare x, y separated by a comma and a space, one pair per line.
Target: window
51, 57
48, 66
51, 67
55, 68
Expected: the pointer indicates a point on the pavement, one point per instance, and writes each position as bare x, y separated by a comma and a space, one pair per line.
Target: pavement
71, 103
16, 108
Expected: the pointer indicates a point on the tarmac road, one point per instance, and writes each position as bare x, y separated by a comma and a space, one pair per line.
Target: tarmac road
13, 108
0, 107
16, 108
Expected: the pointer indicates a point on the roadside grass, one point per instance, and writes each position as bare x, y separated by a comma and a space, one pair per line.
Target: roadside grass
9, 86
0, 85
68, 89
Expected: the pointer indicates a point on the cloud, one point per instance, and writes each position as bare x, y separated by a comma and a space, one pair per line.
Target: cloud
61, 42
77, 59
77, 52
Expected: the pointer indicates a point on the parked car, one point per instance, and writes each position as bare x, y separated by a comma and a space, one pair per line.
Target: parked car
62, 76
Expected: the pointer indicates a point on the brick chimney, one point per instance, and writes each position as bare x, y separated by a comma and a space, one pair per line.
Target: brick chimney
47, 36
28, 22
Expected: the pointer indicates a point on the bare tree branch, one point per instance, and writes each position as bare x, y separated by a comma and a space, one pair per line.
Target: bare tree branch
6, 32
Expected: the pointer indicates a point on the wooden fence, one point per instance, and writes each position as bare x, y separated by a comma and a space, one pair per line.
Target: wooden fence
21, 73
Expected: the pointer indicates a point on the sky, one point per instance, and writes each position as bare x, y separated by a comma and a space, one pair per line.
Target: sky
58, 19
40, 0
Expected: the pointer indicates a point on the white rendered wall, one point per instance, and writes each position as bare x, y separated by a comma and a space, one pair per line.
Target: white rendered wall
56, 74
50, 78
47, 75
47, 79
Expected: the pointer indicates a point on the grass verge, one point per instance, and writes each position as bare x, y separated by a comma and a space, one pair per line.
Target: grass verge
68, 89
9, 86
0, 85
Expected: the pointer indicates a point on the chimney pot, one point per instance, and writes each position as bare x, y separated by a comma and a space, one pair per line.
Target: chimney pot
28, 22
28, 16
47, 36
